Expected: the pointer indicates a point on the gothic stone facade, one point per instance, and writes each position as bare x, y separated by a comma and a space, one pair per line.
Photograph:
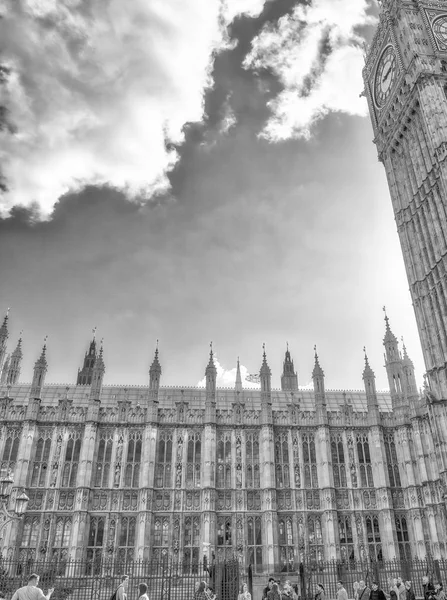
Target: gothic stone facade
275, 476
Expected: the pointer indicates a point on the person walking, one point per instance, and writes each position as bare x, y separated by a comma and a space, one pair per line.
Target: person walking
439, 591
376, 592
428, 587
121, 592
201, 593
410, 592
342, 594
274, 593
320, 595
31, 591
364, 591
268, 587
143, 592
244, 593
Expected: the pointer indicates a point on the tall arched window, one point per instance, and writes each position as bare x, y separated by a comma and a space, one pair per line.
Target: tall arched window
224, 461
338, 462
391, 459
366, 475
72, 453
133, 460
286, 544
127, 539
61, 540
403, 539
282, 464
41, 458
254, 543
103, 460
30, 538
194, 460
11, 450
373, 537
315, 538
310, 461
164, 460
346, 538
95, 546
252, 476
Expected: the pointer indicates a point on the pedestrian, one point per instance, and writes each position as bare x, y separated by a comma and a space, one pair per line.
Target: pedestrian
121, 592
440, 594
400, 589
355, 587
31, 591
200, 593
320, 595
410, 592
143, 592
342, 594
244, 593
268, 587
274, 593
376, 592
364, 591
428, 587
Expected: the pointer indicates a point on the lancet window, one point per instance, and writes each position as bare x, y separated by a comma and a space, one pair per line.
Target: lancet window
252, 477
346, 538
71, 462
373, 537
133, 460
286, 544
11, 449
391, 459
191, 544
30, 538
403, 539
315, 537
225, 536
103, 460
338, 462
282, 466
254, 543
310, 461
366, 475
95, 545
164, 460
224, 460
41, 458
127, 539
193, 460
296, 461
61, 540
161, 537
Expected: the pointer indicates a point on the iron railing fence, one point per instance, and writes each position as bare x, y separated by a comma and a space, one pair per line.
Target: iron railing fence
173, 579
168, 579
308, 574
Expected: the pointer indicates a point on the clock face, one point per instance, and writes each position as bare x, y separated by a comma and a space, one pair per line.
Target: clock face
385, 76
440, 29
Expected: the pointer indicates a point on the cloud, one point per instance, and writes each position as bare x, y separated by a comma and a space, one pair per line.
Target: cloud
98, 93
226, 378
317, 55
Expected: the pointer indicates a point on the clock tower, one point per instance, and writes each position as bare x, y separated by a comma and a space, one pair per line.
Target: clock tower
405, 79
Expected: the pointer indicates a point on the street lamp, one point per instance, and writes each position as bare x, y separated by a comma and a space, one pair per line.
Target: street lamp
20, 506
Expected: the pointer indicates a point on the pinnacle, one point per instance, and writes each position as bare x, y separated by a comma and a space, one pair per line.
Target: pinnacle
317, 371
265, 369
367, 371
389, 335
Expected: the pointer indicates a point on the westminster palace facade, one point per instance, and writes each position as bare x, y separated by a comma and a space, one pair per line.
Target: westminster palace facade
273, 476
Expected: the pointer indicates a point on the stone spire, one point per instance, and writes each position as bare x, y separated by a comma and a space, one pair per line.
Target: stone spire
410, 388
319, 391
4, 371
98, 376
238, 384
265, 375
393, 365
211, 384
289, 379
369, 380
155, 373
40, 370
390, 342
15, 364
4, 334
85, 374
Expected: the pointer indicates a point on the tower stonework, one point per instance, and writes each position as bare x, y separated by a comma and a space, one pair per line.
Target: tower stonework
405, 83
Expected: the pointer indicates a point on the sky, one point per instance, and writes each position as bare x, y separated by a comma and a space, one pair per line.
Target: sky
192, 172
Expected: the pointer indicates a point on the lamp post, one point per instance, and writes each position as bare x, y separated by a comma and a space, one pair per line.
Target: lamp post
20, 505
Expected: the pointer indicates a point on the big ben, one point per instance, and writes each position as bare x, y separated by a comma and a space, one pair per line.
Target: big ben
405, 83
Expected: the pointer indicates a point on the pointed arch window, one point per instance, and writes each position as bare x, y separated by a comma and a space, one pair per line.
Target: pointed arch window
11, 449
252, 476
161, 539
30, 538
346, 538
403, 539
392, 462
373, 537
191, 544
95, 545
127, 539
61, 540
41, 458
366, 475
72, 454
315, 538
133, 462
103, 460
254, 543
163, 471
310, 461
224, 461
193, 460
286, 544
282, 466
338, 462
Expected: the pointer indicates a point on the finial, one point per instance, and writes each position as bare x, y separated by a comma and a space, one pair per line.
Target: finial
211, 349
94, 333
386, 316
101, 347
263, 348
287, 344
366, 356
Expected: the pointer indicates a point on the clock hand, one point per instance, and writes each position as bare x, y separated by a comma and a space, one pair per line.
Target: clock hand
387, 75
